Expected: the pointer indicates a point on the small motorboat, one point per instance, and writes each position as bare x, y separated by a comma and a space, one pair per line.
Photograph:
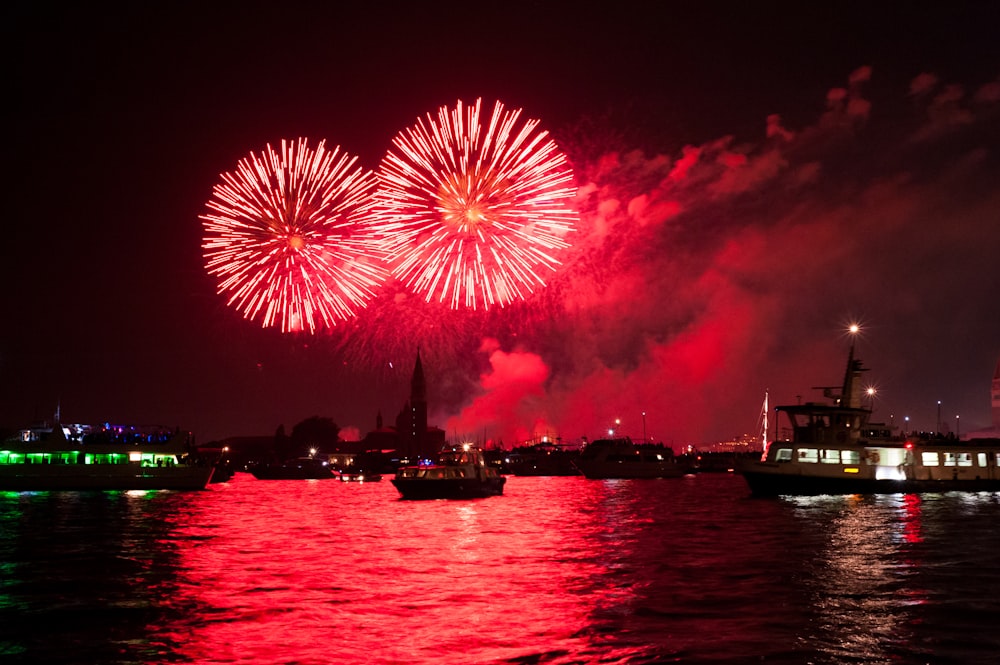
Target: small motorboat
460, 473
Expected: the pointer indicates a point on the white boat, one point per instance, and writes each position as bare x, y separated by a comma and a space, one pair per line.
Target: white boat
832, 448
460, 473
81, 457
621, 458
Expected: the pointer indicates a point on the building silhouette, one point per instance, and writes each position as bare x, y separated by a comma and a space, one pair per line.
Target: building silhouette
412, 438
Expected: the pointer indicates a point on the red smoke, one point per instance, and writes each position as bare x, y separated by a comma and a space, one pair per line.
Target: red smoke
703, 279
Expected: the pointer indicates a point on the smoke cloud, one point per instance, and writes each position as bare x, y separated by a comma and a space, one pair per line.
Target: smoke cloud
700, 280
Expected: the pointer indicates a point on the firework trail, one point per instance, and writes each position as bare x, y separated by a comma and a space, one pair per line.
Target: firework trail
288, 237
472, 214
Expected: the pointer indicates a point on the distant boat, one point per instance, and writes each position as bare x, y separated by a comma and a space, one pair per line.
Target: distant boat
301, 468
542, 459
107, 457
460, 473
832, 448
621, 458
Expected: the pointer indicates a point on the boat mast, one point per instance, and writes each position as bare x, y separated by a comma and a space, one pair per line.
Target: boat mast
763, 434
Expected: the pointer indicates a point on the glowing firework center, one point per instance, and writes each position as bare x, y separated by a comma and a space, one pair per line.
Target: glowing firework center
474, 215
289, 237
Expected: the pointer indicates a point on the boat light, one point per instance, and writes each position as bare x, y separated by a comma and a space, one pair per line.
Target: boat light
851, 469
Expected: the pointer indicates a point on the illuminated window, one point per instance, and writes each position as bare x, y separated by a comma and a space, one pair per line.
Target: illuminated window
949, 459
830, 456
808, 455
783, 455
929, 459
964, 459
981, 459
850, 457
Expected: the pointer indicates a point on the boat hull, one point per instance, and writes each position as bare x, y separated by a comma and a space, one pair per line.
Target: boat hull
449, 488
629, 471
28, 477
764, 484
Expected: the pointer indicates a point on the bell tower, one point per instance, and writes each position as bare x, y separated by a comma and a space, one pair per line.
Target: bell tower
996, 397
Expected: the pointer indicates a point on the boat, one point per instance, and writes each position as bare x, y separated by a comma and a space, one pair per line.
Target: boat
105, 457
363, 468
833, 448
299, 468
542, 459
461, 472
606, 459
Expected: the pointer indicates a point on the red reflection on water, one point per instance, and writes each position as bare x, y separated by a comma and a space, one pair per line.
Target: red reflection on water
316, 571
911, 518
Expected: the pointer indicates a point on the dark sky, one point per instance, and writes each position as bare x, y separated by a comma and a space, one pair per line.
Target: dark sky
720, 253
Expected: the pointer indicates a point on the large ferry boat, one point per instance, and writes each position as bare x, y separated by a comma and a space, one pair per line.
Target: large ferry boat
606, 459
460, 473
832, 448
107, 457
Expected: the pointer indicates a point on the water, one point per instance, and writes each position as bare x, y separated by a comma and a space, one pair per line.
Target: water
558, 570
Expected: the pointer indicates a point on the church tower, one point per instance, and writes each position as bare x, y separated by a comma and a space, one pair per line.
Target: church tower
412, 421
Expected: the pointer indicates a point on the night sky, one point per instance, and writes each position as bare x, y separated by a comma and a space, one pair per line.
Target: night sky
752, 178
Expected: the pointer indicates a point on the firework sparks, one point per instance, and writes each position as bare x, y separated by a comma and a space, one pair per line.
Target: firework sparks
288, 237
473, 215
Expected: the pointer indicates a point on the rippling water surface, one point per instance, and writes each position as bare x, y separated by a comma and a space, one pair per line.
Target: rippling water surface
558, 570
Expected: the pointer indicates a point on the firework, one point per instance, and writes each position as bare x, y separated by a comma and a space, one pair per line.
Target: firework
473, 215
288, 237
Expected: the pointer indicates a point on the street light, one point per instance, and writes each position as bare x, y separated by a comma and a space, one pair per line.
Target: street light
644, 427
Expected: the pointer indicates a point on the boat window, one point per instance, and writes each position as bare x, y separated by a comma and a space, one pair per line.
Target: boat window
964, 459
929, 459
981, 459
949, 459
850, 457
808, 455
783, 455
830, 456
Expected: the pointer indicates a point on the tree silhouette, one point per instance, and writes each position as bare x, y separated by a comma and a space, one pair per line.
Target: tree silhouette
320, 433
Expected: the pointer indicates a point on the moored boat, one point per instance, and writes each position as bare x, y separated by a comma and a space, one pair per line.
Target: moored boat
460, 473
300, 468
606, 459
542, 459
83, 457
832, 448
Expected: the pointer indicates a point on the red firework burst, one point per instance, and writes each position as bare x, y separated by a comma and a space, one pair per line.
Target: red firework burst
288, 237
474, 214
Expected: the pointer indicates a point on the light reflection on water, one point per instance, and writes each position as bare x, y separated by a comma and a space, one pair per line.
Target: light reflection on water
558, 570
